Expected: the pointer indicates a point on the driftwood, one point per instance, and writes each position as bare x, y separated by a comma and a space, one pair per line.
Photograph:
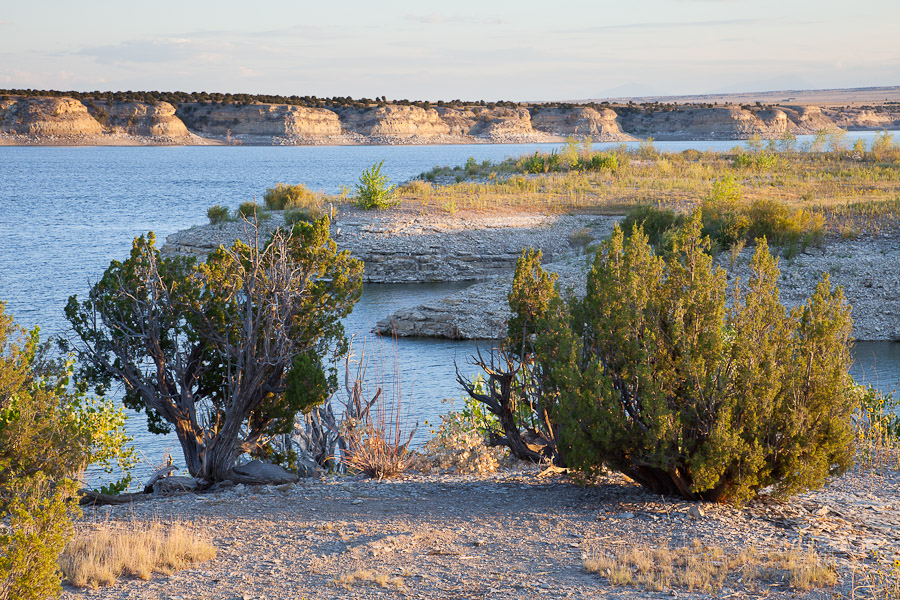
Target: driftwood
162, 473
95, 498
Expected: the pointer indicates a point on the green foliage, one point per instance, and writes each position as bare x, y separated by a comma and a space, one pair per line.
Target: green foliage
251, 210
217, 214
476, 416
727, 220
602, 161
39, 526
292, 216
374, 189
533, 164
658, 224
226, 352
532, 291
49, 434
880, 414
760, 161
283, 197
656, 377
884, 148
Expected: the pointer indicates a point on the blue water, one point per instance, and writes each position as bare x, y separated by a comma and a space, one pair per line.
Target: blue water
65, 212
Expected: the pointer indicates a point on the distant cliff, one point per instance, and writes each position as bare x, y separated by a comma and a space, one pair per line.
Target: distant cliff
63, 120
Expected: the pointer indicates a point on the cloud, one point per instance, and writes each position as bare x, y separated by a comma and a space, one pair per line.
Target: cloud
143, 51
437, 18
2, 22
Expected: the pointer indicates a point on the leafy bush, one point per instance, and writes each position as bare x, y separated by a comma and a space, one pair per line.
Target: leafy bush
217, 214
458, 446
292, 216
657, 378
283, 197
533, 164
251, 210
729, 221
657, 223
374, 190
602, 161
48, 436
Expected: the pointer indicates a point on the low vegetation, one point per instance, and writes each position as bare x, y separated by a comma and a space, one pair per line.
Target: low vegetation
374, 191
704, 568
844, 191
653, 375
100, 557
49, 433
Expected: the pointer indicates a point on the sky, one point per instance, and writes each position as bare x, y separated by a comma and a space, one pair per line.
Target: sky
467, 49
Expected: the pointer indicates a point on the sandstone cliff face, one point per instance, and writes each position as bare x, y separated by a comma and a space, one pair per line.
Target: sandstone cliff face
806, 120
600, 126
488, 123
720, 123
47, 117
395, 121
725, 123
864, 119
139, 118
267, 120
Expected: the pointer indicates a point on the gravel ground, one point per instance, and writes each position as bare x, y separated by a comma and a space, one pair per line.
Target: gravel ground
512, 534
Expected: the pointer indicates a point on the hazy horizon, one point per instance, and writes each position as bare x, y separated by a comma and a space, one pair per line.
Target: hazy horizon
518, 51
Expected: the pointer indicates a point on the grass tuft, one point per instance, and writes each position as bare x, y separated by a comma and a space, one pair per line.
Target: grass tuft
99, 558
708, 568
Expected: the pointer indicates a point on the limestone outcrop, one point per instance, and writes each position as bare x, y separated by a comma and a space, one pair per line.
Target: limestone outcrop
292, 123
139, 118
725, 122
47, 118
864, 118
600, 125
395, 121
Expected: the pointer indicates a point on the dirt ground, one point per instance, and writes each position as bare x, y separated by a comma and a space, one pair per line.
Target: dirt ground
511, 534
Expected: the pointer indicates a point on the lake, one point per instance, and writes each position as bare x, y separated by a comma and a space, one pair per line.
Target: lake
65, 212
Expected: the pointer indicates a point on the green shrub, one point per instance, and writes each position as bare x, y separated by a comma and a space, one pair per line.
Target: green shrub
374, 189
533, 164
603, 161
250, 210
282, 197
292, 216
657, 224
217, 214
48, 435
656, 377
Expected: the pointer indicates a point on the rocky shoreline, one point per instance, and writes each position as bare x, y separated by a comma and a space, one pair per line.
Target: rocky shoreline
511, 534
405, 247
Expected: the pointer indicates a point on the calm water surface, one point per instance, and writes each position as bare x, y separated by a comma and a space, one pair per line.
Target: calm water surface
66, 212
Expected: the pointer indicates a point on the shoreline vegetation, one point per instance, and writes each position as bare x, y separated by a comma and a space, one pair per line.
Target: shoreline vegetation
649, 372
48, 117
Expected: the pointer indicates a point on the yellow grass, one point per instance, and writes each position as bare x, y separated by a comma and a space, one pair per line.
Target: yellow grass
100, 557
709, 568
854, 193
366, 576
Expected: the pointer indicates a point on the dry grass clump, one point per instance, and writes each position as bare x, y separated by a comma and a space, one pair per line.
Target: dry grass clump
99, 558
365, 576
458, 447
709, 568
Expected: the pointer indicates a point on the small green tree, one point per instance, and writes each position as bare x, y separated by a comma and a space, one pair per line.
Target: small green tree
656, 377
227, 352
374, 189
